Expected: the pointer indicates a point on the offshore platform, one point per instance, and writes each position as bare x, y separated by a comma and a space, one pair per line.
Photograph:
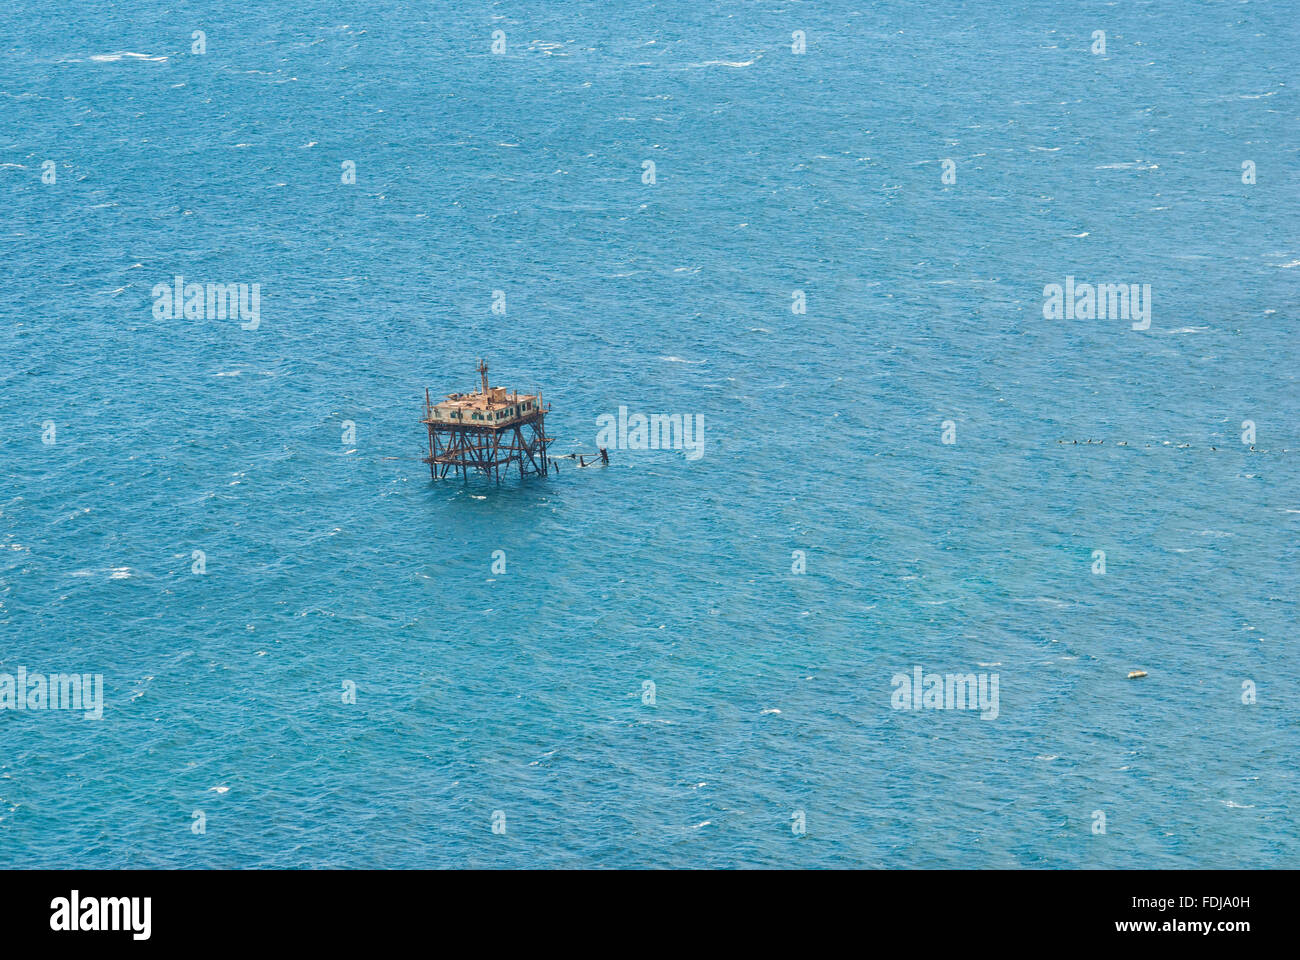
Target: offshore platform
487, 431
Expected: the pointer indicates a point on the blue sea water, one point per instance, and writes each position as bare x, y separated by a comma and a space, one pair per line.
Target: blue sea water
329, 563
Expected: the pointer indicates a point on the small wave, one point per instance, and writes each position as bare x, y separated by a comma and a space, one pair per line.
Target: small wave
681, 360
1052, 600
114, 573
115, 57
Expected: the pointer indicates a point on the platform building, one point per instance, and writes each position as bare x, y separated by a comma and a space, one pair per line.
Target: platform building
486, 431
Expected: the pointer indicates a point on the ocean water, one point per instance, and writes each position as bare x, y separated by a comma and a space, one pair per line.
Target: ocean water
518, 697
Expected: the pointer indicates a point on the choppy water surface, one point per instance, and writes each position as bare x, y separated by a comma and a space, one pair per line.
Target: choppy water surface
331, 562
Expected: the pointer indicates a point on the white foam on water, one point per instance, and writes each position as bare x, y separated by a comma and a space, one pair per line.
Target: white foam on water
115, 57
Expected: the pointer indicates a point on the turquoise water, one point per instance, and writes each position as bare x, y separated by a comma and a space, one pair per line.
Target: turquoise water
331, 562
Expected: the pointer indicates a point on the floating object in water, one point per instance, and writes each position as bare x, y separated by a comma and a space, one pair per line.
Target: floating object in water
1136, 674
1163, 443
600, 458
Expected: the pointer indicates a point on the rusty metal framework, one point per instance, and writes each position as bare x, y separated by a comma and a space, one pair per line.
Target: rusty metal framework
489, 449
